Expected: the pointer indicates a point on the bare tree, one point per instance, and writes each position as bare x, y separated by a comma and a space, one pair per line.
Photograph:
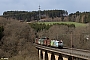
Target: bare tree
16, 36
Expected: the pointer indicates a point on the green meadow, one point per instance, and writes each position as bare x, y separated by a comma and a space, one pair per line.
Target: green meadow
76, 24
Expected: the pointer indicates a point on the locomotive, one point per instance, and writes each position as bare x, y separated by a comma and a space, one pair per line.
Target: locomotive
49, 42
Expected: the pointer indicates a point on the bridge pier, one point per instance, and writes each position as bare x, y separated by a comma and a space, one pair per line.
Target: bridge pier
65, 57
43, 55
56, 57
49, 56
39, 54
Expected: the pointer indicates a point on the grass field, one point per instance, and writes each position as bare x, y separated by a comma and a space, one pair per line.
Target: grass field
76, 24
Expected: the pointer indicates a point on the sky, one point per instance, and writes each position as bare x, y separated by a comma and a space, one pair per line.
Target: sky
32, 5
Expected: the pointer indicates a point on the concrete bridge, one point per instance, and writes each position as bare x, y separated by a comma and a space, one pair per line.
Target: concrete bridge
49, 53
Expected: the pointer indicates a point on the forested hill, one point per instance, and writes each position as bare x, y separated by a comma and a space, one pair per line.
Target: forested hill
34, 15
49, 15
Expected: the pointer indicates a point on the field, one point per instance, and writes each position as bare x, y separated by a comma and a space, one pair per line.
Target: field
76, 24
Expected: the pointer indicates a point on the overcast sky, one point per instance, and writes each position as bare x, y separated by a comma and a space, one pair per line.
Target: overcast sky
32, 5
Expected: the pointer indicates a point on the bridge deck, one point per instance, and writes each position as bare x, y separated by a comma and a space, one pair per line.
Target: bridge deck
70, 52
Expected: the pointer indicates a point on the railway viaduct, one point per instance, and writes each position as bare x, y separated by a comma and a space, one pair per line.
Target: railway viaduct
49, 53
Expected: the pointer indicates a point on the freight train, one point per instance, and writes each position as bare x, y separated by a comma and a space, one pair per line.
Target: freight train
49, 42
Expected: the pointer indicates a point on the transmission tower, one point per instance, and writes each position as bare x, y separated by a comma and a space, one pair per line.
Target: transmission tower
39, 13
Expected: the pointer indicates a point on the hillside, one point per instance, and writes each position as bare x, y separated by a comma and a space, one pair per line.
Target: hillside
17, 41
49, 16
18, 37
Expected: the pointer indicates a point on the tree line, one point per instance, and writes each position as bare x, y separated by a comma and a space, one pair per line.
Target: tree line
61, 15
81, 17
42, 26
34, 15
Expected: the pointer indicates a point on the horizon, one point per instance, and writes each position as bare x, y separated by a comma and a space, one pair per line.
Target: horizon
46, 10
31, 5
